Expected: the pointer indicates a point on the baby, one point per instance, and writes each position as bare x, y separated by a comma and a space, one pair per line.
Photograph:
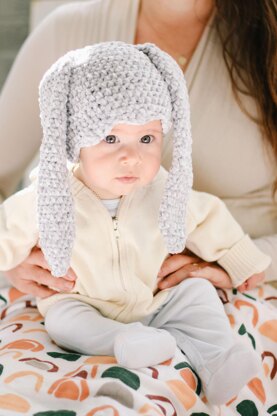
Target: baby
115, 215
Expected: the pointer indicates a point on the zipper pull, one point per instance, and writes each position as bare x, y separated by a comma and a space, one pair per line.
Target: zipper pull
115, 227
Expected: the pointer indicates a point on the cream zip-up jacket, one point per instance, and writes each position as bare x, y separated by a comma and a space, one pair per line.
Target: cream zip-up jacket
117, 260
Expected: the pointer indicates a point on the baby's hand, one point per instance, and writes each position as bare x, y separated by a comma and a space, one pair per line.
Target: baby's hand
251, 282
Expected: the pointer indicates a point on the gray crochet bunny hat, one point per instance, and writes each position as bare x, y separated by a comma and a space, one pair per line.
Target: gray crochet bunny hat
82, 96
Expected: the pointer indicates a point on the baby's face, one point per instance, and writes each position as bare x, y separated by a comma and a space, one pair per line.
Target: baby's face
128, 158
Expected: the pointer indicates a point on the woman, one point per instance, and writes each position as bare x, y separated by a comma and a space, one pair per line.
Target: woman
227, 51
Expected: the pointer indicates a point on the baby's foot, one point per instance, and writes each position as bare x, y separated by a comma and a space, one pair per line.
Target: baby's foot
233, 370
143, 347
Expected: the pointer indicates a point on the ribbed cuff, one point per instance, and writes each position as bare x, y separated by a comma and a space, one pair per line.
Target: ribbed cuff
243, 260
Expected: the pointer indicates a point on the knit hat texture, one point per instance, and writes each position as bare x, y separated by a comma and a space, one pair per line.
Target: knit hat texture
82, 96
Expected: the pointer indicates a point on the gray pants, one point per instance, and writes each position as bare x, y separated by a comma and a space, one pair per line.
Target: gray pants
192, 313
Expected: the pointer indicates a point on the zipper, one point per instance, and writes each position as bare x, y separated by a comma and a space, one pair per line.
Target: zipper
117, 236
115, 227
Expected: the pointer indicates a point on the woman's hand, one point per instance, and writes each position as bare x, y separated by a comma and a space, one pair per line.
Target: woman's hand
178, 267
33, 277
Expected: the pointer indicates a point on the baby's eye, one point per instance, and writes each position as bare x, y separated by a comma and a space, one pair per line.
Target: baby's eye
146, 139
111, 139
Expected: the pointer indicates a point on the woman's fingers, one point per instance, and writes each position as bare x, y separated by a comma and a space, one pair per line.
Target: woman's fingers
174, 263
179, 275
215, 274
34, 280
44, 277
70, 275
18, 277
36, 258
37, 290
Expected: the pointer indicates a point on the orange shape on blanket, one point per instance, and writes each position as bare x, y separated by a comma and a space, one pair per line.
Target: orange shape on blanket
183, 392
32, 316
38, 377
100, 360
260, 292
231, 401
94, 370
256, 386
14, 402
189, 378
239, 303
266, 369
69, 389
24, 344
95, 411
231, 319
15, 294
14, 354
146, 409
167, 362
269, 329
28, 331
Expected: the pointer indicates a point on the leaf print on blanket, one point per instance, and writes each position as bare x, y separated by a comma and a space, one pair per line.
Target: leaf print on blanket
68, 356
272, 409
56, 413
247, 408
242, 330
126, 376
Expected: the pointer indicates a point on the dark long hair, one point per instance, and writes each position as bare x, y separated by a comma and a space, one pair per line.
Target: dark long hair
248, 32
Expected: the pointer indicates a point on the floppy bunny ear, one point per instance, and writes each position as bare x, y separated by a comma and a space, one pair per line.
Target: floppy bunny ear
55, 203
175, 199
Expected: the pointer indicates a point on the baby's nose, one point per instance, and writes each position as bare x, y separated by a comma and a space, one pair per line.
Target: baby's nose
130, 155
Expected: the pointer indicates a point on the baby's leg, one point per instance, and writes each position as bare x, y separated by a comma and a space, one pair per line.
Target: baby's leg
79, 327
194, 315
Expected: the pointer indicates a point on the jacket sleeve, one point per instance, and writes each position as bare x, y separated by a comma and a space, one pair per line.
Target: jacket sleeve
18, 228
214, 235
